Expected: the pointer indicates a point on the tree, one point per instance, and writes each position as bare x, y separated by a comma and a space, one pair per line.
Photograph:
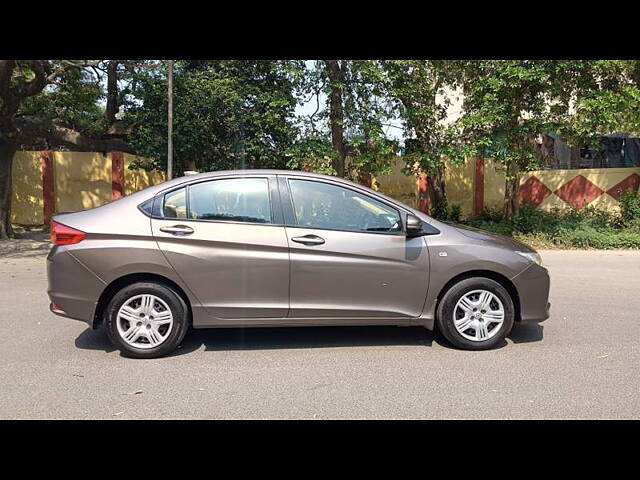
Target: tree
423, 92
46, 104
507, 106
604, 98
351, 122
227, 113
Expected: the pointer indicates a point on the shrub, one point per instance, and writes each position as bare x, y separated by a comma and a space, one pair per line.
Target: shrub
439, 210
630, 208
493, 214
529, 220
455, 213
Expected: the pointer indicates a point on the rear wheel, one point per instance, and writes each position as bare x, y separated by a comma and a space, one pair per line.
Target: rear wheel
146, 320
476, 314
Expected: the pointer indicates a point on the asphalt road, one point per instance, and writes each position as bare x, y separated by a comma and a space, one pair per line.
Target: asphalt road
581, 363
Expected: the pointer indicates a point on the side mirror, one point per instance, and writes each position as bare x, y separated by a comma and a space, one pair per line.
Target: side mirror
414, 226
418, 228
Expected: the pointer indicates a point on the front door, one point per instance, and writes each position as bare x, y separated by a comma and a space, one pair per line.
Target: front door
349, 255
226, 241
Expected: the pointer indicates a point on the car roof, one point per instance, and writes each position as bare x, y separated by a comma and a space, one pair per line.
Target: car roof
201, 176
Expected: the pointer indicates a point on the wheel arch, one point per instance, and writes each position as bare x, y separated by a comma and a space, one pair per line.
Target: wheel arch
125, 280
501, 279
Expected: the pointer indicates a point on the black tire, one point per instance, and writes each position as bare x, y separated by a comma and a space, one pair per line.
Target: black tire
445, 313
174, 301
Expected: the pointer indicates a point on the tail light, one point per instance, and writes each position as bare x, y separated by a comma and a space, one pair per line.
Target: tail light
63, 235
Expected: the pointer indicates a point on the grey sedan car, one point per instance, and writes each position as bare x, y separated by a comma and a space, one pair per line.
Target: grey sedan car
257, 248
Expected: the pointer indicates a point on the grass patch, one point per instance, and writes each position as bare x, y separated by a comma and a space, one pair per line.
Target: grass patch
586, 228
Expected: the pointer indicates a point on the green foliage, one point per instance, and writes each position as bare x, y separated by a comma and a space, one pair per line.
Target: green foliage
585, 228
455, 213
630, 209
421, 91
506, 107
73, 102
440, 210
312, 153
227, 114
365, 110
492, 214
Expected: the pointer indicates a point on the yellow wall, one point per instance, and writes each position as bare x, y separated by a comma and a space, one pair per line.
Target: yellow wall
82, 180
139, 179
460, 185
26, 178
403, 188
494, 183
459, 181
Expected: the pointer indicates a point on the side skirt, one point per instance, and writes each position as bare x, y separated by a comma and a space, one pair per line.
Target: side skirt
203, 320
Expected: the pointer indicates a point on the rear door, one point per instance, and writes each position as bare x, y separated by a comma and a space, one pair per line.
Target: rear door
226, 240
349, 254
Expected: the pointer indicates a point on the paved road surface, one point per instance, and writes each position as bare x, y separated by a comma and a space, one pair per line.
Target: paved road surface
581, 363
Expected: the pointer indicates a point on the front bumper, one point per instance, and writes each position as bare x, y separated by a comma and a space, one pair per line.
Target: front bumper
533, 292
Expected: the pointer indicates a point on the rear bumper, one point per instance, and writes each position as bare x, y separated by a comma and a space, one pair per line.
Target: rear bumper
533, 292
73, 289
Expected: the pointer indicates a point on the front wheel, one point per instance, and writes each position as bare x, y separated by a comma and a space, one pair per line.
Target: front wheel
146, 320
476, 314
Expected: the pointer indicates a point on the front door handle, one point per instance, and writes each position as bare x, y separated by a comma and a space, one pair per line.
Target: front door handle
179, 230
309, 240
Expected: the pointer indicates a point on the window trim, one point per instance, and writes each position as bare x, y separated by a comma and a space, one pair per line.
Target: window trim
292, 222
274, 201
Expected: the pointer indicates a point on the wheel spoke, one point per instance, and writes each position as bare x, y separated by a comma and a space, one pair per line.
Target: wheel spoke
153, 336
493, 316
147, 304
484, 300
466, 304
481, 331
463, 323
129, 314
132, 334
162, 318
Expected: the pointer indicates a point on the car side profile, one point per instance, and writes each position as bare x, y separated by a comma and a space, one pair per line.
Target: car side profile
255, 248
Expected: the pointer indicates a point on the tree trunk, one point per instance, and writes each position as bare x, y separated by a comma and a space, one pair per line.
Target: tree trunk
512, 192
574, 158
112, 92
336, 115
7, 150
438, 193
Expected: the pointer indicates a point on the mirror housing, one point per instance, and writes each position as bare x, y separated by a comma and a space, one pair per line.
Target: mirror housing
413, 226
417, 228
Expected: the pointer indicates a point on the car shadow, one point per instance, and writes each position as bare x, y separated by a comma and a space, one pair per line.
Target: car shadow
526, 333
91, 339
229, 339
217, 339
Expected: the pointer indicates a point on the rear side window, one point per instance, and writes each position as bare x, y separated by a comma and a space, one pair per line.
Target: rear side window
175, 204
233, 199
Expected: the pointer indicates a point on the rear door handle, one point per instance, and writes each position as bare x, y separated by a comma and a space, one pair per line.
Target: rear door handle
178, 230
309, 240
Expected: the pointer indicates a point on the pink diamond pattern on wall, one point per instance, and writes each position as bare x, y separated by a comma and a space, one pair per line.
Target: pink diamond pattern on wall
579, 192
631, 183
533, 192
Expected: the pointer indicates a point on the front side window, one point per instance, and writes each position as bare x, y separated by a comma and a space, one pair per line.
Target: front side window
322, 205
233, 199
